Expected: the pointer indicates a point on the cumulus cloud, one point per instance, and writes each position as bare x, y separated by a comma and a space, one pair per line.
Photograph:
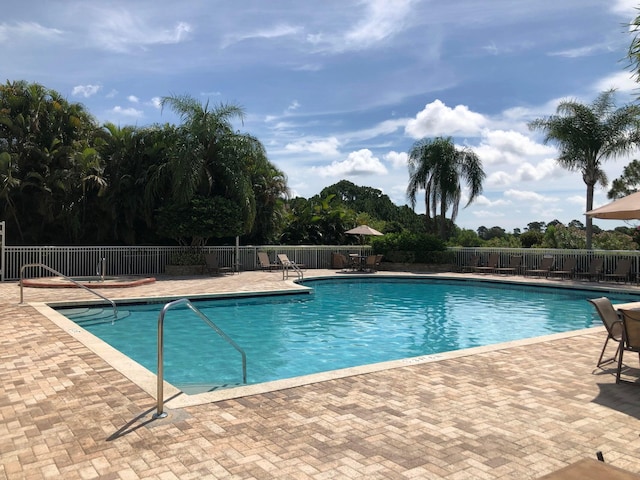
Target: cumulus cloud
397, 159
436, 119
328, 147
483, 201
547, 169
508, 147
361, 162
127, 112
527, 196
85, 91
133, 99
155, 102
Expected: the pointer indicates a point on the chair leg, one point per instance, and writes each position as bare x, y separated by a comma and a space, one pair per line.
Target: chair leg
619, 366
612, 359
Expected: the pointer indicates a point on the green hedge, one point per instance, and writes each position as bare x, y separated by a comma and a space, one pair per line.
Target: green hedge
412, 248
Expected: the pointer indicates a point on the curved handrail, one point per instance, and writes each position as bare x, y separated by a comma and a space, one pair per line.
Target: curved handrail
296, 268
55, 272
185, 301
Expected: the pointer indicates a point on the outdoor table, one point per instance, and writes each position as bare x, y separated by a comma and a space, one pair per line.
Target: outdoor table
359, 259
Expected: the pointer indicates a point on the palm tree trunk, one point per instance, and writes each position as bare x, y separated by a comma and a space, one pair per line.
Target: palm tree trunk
589, 220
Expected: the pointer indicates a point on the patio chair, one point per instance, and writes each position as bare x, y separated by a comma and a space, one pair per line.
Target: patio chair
514, 264
546, 264
567, 269
613, 324
264, 263
474, 262
595, 269
371, 263
339, 261
630, 337
492, 264
213, 265
621, 273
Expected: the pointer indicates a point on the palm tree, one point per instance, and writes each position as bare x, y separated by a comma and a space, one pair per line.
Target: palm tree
438, 167
587, 135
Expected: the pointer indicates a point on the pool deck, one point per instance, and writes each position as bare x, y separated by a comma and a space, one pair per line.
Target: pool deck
517, 411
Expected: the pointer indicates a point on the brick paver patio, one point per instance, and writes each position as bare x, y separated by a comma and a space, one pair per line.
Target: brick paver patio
513, 413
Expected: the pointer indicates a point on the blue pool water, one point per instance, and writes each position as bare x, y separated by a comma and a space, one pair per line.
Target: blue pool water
344, 323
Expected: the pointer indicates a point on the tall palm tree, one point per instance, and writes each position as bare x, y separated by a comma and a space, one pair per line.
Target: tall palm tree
438, 167
587, 135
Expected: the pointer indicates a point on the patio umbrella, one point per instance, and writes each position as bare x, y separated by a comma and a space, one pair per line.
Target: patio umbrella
363, 230
625, 208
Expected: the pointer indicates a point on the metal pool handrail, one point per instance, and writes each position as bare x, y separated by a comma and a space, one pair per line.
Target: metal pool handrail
55, 272
185, 301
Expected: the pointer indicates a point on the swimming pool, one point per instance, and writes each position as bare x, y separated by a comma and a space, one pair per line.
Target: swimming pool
344, 323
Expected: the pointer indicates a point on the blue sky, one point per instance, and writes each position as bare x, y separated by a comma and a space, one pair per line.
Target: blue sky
341, 89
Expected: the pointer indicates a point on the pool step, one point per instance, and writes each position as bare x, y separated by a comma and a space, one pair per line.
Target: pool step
95, 316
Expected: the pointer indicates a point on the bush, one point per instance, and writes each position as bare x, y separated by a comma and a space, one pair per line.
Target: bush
409, 247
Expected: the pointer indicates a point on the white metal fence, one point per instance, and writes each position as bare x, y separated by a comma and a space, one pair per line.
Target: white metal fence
80, 261
531, 257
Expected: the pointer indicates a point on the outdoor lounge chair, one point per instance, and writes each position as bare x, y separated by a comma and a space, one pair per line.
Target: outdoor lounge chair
595, 269
546, 264
613, 324
492, 264
213, 265
621, 273
285, 262
567, 269
630, 336
514, 264
264, 263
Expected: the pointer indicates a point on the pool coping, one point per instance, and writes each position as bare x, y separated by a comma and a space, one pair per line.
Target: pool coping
175, 398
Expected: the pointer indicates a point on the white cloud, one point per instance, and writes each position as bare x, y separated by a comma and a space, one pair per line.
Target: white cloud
483, 201
121, 31
155, 102
27, 30
112, 93
361, 162
584, 51
128, 112
380, 21
133, 99
436, 119
277, 31
622, 81
578, 200
328, 147
293, 106
527, 196
508, 147
628, 8
397, 159
85, 91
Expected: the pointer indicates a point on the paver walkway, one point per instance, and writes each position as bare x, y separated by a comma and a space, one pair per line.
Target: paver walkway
513, 413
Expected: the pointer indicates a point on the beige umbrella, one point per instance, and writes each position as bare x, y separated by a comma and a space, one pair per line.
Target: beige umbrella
625, 208
363, 230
